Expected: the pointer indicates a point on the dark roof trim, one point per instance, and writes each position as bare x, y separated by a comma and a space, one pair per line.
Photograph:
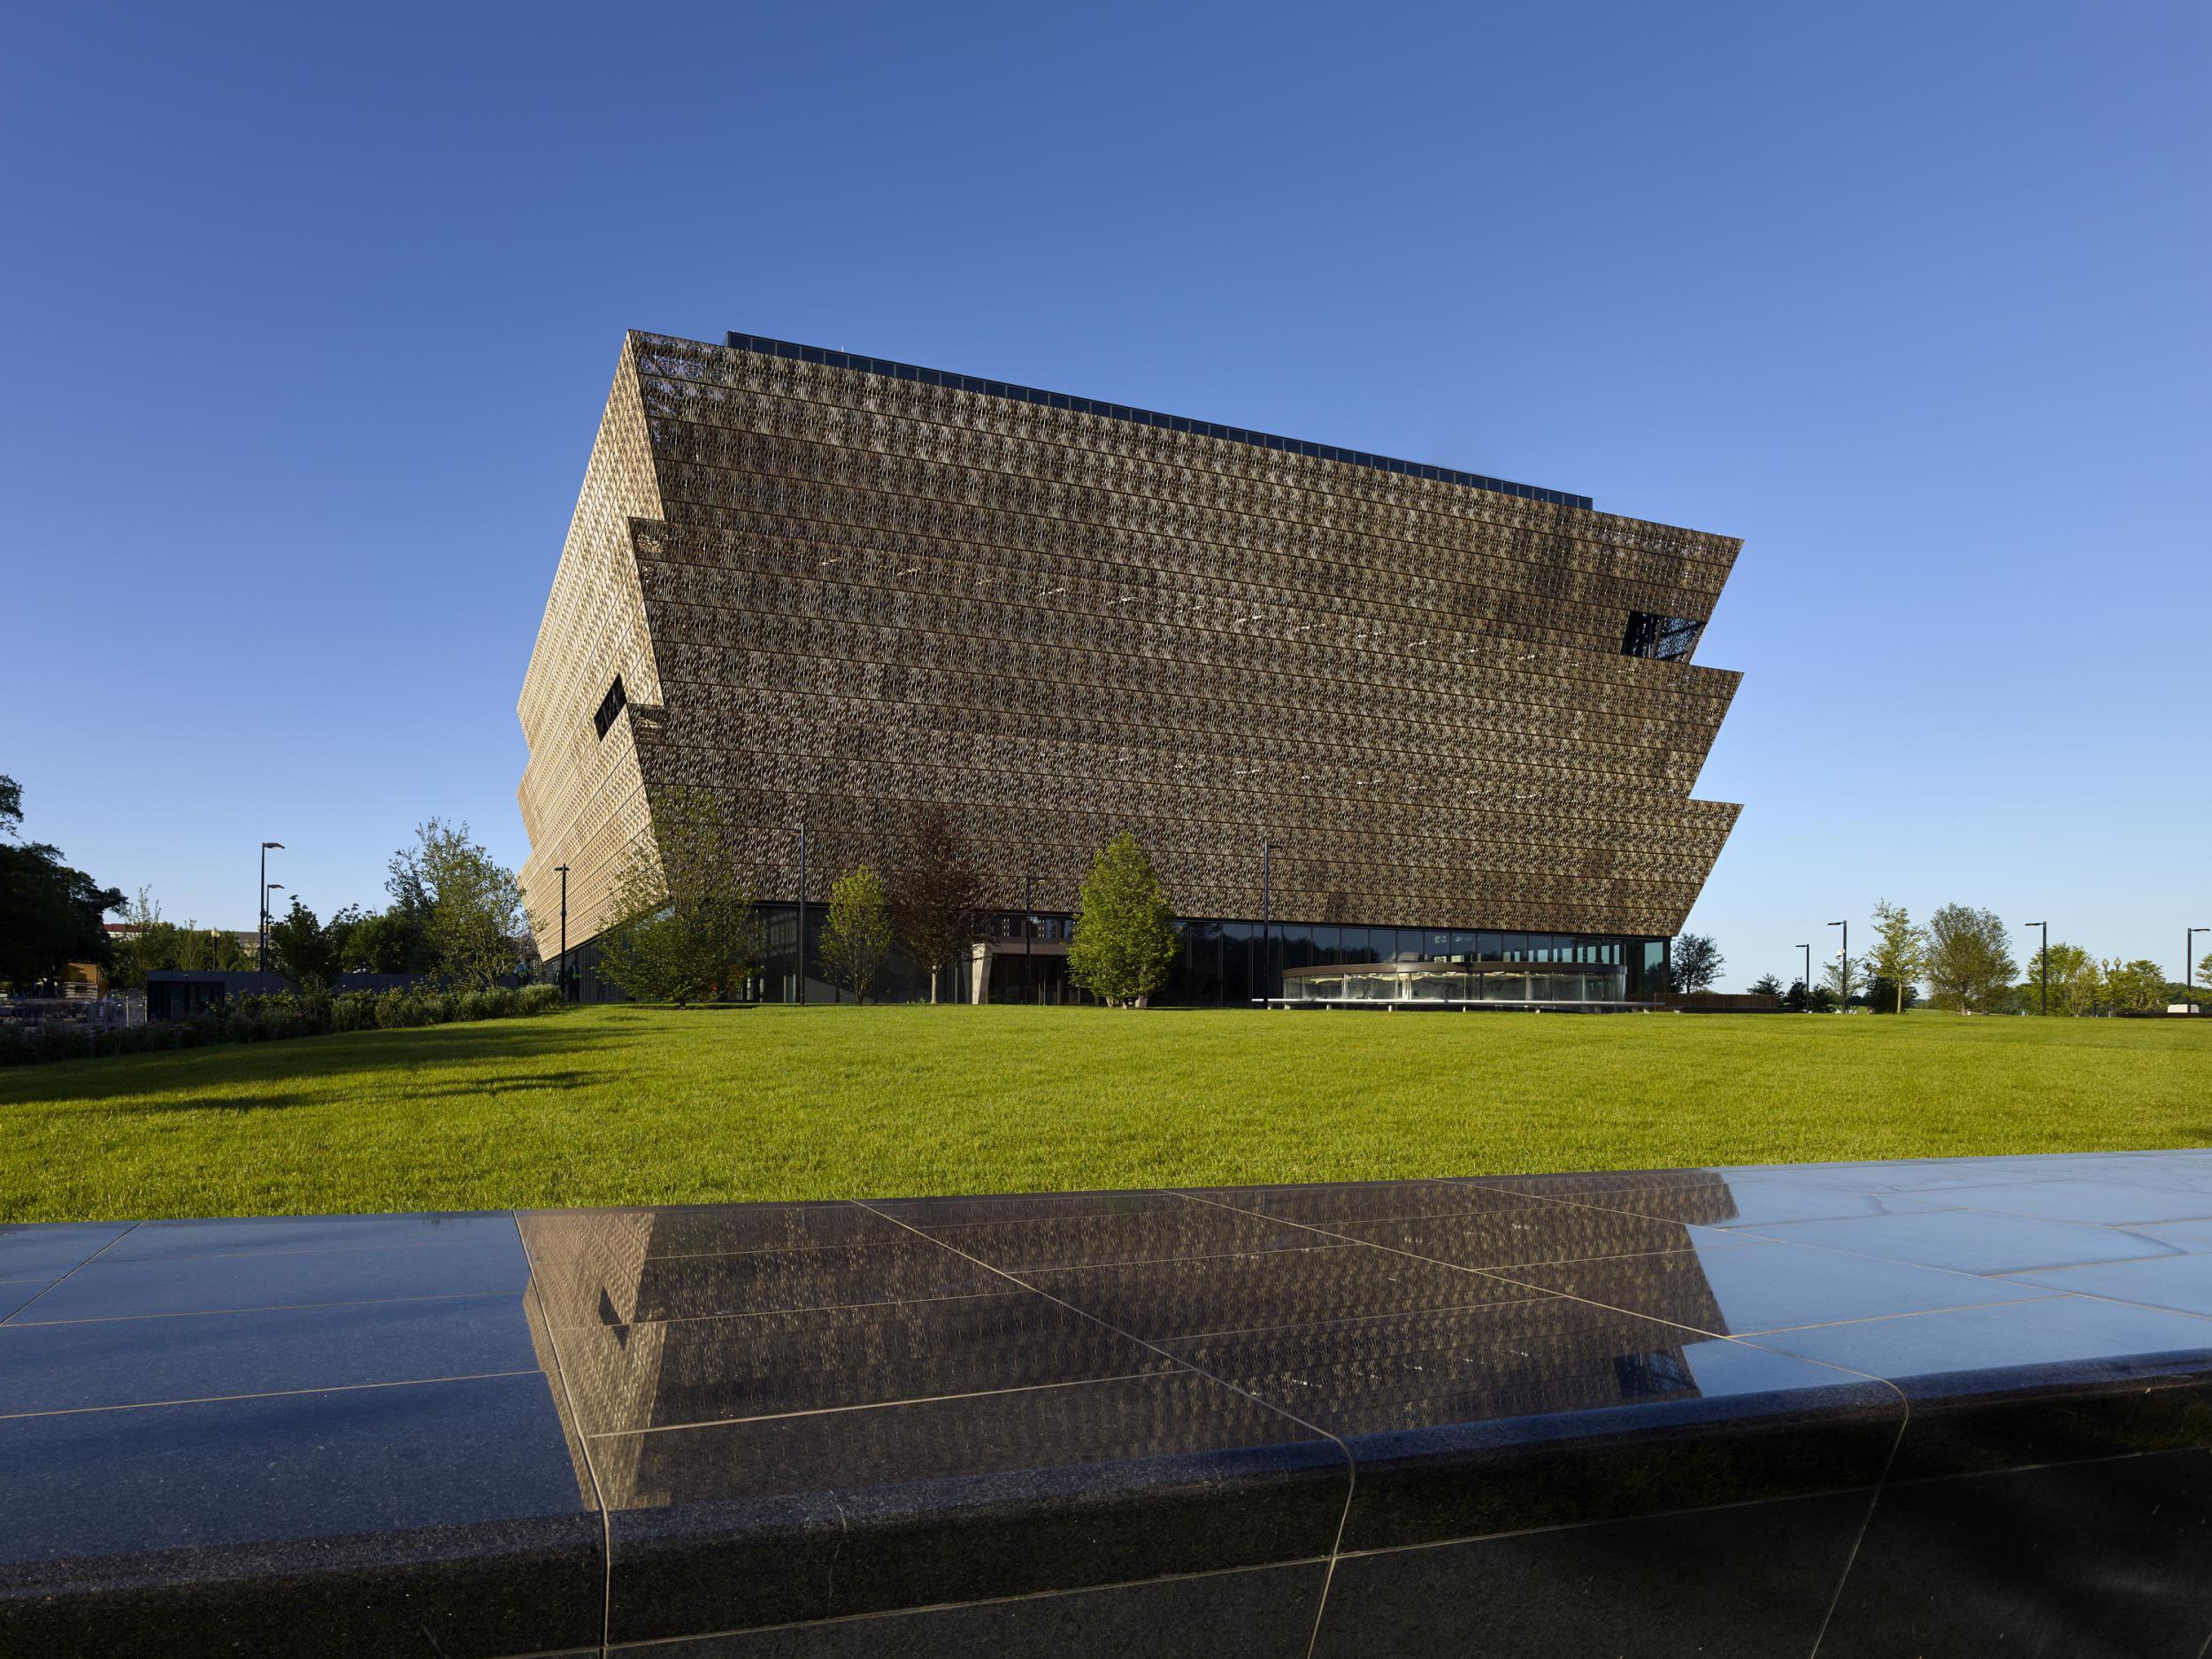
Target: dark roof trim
1142, 416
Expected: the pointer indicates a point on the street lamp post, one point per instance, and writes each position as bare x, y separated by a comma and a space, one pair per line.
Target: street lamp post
564, 873
801, 828
2189, 958
1267, 915
1808, 1009
1843, 974
2045, 955
1029, 935
261, 939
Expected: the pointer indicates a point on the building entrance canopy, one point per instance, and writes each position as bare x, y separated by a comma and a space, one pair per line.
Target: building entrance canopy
1457, 982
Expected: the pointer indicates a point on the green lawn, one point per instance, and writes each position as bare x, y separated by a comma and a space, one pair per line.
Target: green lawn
608, 1106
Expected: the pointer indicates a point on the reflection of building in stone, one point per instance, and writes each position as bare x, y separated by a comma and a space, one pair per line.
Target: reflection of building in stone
661, 1320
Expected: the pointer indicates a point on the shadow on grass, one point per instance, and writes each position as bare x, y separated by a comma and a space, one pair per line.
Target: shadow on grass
506, 1058
547, 1082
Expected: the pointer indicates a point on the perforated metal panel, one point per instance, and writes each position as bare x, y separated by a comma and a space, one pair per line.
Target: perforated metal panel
834, 594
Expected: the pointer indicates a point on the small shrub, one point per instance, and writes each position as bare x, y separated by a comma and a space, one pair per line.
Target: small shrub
537, 999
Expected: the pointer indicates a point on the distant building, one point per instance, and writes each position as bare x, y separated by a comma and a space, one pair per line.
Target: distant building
832, 589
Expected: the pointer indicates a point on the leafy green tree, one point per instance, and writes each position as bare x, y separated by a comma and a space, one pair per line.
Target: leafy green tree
396, 939
49, 913
305, 951
1839, 979
1899, 958
142, 917
856, 933
1969, 966
935, 892
1796, 1000
1882, 998
2135, 987
2204, 976
339, 930
1767, 984
1124, 928
689, 932
1697, 962
2077, 982
474, 903
1821, 1000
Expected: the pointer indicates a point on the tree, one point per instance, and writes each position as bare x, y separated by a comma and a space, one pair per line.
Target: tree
1900, 955
1697, 962
2076, 984
2135, 987
1767, 984
141, 919
1970, 966
1884, 997
856, 933
1124, 929
49, 913
1821, 1000
396, 939
935, 892
339, 930
1839, 981
305, 950
1796, 1000
473, 903
688, 930
2204, 974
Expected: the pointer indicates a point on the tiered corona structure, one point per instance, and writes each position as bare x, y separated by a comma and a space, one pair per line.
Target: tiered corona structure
832, 590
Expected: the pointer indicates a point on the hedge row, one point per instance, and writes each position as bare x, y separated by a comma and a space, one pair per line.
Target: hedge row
253, 1018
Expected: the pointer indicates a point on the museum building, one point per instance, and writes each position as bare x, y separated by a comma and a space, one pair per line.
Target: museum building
1389, 732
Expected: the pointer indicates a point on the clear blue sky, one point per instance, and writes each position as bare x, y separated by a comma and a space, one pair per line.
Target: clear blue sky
310, 317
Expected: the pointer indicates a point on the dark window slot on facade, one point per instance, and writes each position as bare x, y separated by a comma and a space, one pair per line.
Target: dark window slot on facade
610, 705
1667, 639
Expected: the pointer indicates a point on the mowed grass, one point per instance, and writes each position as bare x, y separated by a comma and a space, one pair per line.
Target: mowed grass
608, 1106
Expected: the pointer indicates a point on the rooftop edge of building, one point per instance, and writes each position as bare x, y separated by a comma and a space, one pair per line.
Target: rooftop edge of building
763, 344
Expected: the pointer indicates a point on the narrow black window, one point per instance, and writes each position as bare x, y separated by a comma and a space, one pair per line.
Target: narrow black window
1669, 639
610, 706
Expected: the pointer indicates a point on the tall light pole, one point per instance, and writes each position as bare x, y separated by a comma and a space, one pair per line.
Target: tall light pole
1808, 1009
2045, 955
2189, 958
1267, 914
1843, 974
1029, 948
802, 829
563, 872
261, 940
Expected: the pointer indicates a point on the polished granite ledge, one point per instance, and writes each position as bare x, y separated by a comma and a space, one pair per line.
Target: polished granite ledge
1955, 1406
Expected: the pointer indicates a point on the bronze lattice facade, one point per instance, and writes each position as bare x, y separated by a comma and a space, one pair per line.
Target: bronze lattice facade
831, 588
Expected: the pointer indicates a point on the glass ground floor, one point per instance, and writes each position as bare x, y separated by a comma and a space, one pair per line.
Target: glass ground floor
1220, 964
